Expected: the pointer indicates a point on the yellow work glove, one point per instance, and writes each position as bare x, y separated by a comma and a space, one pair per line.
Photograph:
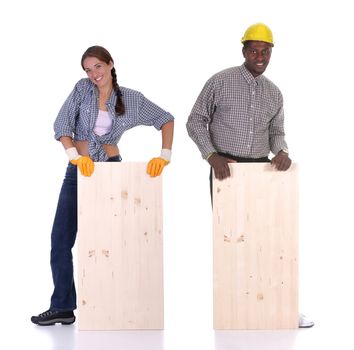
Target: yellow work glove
155, 166
85, 165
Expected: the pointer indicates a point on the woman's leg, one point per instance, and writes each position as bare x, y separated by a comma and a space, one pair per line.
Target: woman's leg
63, 239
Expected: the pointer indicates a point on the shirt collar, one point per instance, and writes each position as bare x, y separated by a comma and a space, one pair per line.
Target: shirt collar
249, 77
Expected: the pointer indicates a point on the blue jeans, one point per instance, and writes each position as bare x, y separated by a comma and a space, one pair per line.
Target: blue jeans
62, 240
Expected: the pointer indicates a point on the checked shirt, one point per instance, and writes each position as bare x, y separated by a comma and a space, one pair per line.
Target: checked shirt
238, 114
78, 115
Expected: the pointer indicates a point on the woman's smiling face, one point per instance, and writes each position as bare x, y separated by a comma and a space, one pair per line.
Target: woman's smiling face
98, 71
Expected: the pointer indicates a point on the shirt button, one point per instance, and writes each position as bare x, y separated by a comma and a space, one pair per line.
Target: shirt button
251, 132
251, 106
253, 92
250, 119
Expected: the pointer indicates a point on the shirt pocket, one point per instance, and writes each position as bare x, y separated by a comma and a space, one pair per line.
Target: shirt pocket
232, 105
230, 115
85, 114
84, 120
126, 121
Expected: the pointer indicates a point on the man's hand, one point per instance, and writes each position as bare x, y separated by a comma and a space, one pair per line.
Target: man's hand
220, 166
281, 161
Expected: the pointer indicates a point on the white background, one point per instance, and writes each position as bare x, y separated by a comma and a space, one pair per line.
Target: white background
167, 50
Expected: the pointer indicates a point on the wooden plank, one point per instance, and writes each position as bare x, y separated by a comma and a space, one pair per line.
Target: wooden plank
256, 248
120, 252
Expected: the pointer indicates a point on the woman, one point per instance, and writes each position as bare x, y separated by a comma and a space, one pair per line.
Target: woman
89, 125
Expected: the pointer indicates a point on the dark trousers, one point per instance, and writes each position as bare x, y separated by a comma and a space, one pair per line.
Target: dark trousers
62, 241
239, 160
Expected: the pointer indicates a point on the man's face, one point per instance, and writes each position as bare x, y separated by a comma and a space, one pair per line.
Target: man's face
257, 55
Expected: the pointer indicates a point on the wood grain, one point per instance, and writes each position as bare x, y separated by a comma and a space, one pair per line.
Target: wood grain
120, 249
256, 248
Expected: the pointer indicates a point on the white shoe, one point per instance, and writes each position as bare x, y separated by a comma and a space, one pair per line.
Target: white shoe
304, 322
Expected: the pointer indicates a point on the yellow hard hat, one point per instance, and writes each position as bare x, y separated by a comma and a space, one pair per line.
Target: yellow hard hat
258, 32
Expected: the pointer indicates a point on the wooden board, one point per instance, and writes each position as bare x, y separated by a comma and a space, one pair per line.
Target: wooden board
256, 248
120, 252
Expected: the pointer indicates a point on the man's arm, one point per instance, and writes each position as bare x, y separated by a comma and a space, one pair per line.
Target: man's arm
200, 118
198, 129
277, 142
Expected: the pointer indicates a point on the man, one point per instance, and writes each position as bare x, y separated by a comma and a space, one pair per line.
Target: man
239, 117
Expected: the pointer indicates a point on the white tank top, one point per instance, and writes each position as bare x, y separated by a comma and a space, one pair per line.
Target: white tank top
103, 123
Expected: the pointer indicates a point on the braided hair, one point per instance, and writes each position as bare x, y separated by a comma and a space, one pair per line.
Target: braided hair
103, 55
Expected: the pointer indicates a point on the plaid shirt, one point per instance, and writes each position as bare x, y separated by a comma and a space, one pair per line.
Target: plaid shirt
238, 114
78, 115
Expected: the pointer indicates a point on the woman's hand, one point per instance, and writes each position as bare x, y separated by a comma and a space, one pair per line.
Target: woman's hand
85, 165
155, 166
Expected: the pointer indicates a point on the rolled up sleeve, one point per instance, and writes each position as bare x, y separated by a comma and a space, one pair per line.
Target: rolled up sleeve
64, 124
150, 114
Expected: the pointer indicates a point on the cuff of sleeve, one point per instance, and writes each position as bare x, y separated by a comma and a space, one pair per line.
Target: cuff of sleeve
166, 154
59, 134
163, 120
209, 155
206, 153
279, 146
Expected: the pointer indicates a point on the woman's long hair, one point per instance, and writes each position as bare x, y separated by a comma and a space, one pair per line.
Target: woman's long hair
103, 55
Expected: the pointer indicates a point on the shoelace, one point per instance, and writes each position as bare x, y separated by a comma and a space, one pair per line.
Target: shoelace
46, 313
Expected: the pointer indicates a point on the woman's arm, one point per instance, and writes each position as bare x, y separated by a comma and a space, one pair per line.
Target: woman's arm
156, 165
84, 163
167, 135
67, 142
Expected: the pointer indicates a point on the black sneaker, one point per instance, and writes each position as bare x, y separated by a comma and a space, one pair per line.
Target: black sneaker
50, 318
